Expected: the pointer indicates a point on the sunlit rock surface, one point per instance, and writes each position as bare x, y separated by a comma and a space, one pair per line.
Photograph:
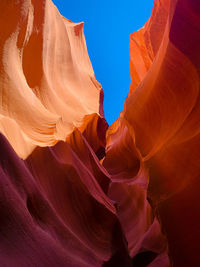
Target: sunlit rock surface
74, 192
47, 81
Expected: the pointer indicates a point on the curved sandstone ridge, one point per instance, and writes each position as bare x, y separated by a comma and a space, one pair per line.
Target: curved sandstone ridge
74, 192
161, 114
47, 81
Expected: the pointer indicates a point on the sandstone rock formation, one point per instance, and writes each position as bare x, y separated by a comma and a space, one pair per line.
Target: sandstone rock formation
74, 192
161, 113
47, 81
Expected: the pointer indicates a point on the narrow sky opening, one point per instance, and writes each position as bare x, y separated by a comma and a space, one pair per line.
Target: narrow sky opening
107, 28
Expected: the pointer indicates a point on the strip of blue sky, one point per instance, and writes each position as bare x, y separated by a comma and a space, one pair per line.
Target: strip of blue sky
108, 24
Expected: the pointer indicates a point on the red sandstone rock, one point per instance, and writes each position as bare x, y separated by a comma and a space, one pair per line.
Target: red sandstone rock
162, 113
82, 195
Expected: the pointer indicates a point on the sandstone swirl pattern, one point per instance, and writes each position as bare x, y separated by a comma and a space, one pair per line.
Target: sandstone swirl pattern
74, 192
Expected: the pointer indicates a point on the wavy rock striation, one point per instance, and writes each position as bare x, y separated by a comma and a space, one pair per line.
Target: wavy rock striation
161, 113
74, 192
45, 73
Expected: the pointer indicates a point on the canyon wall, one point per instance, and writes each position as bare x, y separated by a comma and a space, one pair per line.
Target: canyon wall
74, 192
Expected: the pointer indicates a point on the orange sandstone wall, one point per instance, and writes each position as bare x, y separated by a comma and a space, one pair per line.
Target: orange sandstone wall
161, 118
47, 81
74, 192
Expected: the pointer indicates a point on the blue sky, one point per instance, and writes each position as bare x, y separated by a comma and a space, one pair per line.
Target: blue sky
108, 24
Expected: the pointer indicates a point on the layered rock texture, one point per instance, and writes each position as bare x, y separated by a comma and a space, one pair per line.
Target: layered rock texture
74, 192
